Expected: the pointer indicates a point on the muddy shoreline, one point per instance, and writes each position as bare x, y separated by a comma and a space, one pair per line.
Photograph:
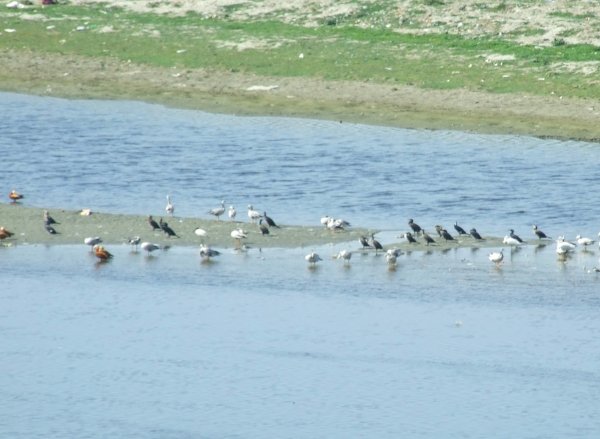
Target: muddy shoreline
226, 92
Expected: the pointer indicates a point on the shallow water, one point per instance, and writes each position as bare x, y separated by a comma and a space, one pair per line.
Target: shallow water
259, 345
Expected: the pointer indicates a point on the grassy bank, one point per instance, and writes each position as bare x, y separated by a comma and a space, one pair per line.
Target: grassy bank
492, 64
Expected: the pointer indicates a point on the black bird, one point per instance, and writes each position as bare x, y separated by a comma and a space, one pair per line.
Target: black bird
376, 244
459, 229
476, 235
165, 228
513, 236
410, 238
270, 221
415, 227
153, 223
447, 235
439, 229
427, 238
539, 233
364, 242
50, 230
48, 220
264, 230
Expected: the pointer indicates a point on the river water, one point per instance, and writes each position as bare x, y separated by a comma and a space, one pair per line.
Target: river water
256, 344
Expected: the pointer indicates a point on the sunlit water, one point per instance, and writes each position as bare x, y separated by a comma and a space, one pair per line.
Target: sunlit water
256, 344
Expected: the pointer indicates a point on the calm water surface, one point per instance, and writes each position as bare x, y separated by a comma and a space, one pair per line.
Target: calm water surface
257, 345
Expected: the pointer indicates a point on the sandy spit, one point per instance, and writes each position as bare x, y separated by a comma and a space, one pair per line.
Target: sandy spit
27, 223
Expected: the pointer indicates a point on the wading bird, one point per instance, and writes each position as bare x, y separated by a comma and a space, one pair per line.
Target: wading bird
101, 253
345, 255
312, 258
497, 258
149, 247
539, 233
92, 241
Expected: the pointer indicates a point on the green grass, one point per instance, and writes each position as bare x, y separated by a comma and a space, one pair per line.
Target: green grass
439, 61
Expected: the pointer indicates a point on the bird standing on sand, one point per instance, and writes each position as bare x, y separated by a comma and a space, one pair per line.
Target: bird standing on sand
201, 233
48, 219
270, 221
5, 233
253, 214
415, 227
539, 233
439, 229
217, 211
237, 235
50, 229
376, 244
14, 196
264, 230
101, 253
428, 239
170, 208
149, 247
165, 228
410, 238
497, 258
92, 241
325, 220
231, 213
513, 236
476, 235
447, 235
312, 258
459, 229
153, 223
345, 255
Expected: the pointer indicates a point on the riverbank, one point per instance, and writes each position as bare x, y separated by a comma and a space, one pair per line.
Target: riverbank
27, 224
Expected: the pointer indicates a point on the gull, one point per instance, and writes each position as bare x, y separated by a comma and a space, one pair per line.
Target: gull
14, 196
392, 254
325, 220
101, 253
497, 258
231, 213
153, 223
206, 252
511, 241
345, 255
539, 233
335, 225
264, 230
476, 235
149, 247
564, 247
584, 241
415, 227
92, 241
253, 214
459, 229
134, 241
201, 233
270, 221
312, 258
237, 235
170, 208
217, 211
48, 219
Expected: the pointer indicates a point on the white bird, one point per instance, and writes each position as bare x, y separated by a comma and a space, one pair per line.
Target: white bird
510, 241
584, 241
92, 241
564, 247
325, 220
201, 233
394, 252
217, 211
231, 213
134, 241
391, 258
497, 258
170, 208
345, 255
206, 252
253, 214
312, 258
149, 247
237, 235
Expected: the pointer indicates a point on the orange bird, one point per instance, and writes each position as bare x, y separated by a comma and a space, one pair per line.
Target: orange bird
101, 253
5, 233
14, 196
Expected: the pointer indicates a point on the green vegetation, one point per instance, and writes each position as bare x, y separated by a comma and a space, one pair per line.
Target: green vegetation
440, 61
